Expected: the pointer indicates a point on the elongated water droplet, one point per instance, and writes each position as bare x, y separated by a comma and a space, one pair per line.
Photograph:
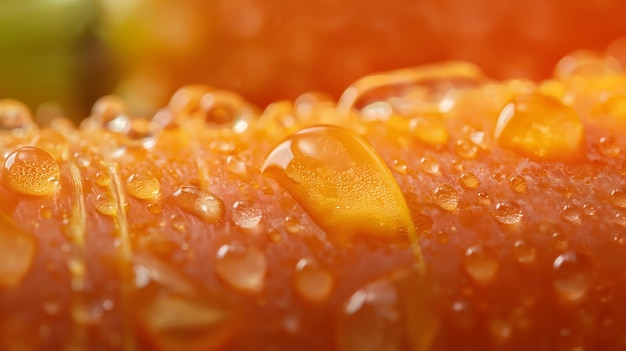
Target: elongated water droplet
31, 171
246, 215
201, 203
469, 181
508, 213
143, 186
342, 183
243, 268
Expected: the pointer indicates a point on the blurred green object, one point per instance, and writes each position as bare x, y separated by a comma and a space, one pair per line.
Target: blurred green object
49, 53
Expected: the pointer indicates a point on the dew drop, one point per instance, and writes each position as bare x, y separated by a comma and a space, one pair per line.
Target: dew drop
15, 117
201, 203
370, 320
446, 197
105, 205
465, 149
539, 127
17, 252
469, 181
312, 282
508, 213
524, 252
483, 198
221, 107
185, 322
342, 183
399, 166
572, 275
618, 198
235, 166
292, 225
31, 171
481, 264
572, 213
242, 268
143, 132
608, 147
110, 112
143, 186
517, 184
429, 165
245, 215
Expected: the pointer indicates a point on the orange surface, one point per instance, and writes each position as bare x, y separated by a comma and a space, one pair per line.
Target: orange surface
213, 226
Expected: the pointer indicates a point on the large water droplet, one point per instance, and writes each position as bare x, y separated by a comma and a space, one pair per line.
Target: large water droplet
31, 171
243, 268
572, 275
342, 183
201, 203
539, 127
312, 282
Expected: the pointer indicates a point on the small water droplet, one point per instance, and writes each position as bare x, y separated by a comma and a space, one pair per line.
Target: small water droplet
110, 112
560, 240
292, 225
469, 181
243, 268
618, 198
429, 165
518, 184
572, 275
201, 203
465, 149
399, 166
31, 171
236, 166
608, 147
245, 215
15, 117
572, 213
508, 213
524, 252
143, 186
312, 282
446, 197
103, 179
481, 264
105, 205
483, 198
589, 210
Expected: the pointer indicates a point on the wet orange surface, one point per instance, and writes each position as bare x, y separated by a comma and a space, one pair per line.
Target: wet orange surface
427, 209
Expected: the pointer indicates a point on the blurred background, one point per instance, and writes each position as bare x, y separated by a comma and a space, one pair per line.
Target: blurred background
67, 53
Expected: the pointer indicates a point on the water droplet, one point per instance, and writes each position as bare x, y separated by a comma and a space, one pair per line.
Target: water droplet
539, 127
201, 203
110, 112
589, 210
221, 107
15, 117
518, 184
235, 166
17, 252
608, 147
469, 181
292, 225
342, 183
572, 275
572, 214
430, 131
399, 166
524, 252
312, 282
186, 100
143, 186
560, 240
103, 179
245, 215
154, 208
242, 268
586, 64
508, 213
483, 198
185, 322
143, 132
465, 149
105, 205
446, 197
481, 264
618, 198
429, 165
31, 171
370, 320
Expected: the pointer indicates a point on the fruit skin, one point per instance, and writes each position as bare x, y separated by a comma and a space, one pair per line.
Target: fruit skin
521, 253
